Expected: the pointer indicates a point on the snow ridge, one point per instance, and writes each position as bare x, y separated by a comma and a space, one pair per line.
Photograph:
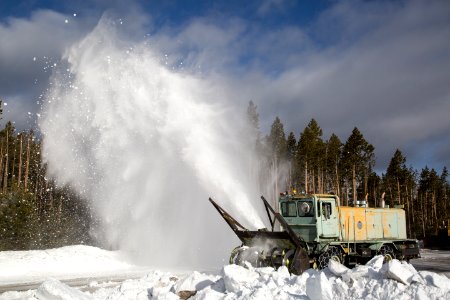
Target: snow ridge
392, 280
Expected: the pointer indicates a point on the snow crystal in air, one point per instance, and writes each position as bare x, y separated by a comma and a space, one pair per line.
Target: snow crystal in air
157, 143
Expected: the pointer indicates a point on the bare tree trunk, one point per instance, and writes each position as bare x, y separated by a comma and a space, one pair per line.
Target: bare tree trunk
398, 192
390, 195
366, 182
322, 188
424, 216
48, 195
60, 209
313, 181
373, 195
14, 163
36, 194
289, 181
5, 178
412, 209
306, 176
319, 182
435, 219
1, 164
41, 190
355, 193
424, 208
20, 163
408, 212
27, 164
338, 192
346, 191
445, 202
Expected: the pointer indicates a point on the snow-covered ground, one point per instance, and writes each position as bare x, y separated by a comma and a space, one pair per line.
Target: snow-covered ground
19, 267
56, 269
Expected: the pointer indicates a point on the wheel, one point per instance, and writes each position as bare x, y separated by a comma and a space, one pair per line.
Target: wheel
387, 252
333, 253
276, 255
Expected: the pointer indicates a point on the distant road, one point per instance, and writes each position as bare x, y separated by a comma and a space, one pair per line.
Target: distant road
437, 261
81, 283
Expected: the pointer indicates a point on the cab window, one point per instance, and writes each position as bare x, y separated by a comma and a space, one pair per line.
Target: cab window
288, 209
305, 208
326, 210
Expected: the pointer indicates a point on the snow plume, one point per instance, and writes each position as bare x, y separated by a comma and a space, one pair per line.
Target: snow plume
147, 143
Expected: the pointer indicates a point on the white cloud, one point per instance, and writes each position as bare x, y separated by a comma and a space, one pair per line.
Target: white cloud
29, 50
380, 66
268, 6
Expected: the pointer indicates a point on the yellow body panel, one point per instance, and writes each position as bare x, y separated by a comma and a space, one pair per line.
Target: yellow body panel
361, 223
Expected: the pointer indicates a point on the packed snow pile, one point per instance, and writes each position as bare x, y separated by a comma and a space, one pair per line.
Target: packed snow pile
375, 280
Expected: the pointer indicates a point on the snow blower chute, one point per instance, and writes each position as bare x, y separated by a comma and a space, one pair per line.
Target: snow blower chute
264, 247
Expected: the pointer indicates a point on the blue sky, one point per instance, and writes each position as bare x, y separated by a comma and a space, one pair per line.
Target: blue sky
383, 66
268, 13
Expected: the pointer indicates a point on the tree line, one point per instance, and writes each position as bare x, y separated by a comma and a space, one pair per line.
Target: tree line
34, 212
308, 163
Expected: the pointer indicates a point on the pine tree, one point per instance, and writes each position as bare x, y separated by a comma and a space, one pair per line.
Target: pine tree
423, 196
278, 151
253, 118
334, 152
358, 159
396, 176
291, 152
277, 140
311, 150
256, 161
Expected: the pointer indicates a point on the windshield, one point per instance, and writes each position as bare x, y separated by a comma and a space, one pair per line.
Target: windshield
305, 208
288, 209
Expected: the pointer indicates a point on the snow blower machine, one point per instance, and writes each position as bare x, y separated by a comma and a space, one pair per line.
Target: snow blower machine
313, 229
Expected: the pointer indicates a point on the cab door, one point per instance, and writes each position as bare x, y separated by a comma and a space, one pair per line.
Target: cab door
328, 218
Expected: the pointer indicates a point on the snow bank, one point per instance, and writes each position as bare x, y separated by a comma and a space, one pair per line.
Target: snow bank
61, 263
393, 280
375, 280
52, 289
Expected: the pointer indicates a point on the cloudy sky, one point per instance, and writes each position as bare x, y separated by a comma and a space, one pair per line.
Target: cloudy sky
382, 66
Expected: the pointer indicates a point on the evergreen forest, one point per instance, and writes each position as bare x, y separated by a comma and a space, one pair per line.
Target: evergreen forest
307, 162
36, 213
